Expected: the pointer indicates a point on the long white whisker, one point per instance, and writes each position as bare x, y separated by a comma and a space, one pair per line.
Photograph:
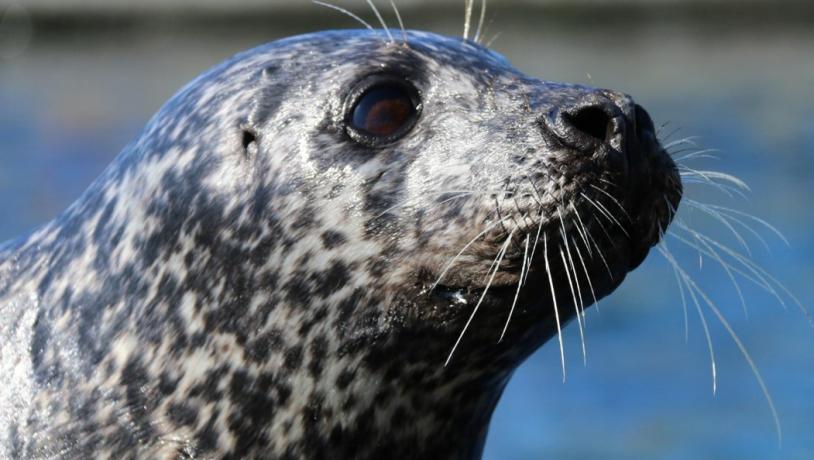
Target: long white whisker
576, 308
556, 307
755, 269
452, 261
760, 221
519, 285
604, 211
581, 229
467, 17
720, 218
381, 20
726, 268
483, 295
563, 233
744, 352
591, 238
587, 275
576, 277
701, 316
703, 153
681, 293
401, 23
537, 236
480, 21
726, 183
752, 275
345, 12
614, 200
686, 140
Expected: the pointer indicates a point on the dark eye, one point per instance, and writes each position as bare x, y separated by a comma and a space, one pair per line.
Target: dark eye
385, 110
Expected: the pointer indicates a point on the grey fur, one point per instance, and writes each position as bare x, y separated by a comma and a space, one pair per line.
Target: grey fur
245, 281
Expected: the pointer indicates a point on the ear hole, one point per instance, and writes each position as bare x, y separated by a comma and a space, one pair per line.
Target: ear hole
248, 138
249, 141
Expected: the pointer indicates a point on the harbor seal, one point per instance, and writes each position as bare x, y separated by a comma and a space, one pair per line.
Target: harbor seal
336, 245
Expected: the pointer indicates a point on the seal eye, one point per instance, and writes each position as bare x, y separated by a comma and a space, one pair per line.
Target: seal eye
384, 111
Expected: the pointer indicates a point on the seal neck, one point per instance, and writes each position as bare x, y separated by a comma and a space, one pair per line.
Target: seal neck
383, 421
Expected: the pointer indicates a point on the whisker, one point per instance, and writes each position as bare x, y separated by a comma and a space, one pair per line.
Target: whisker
517, 294
483, 295
727, 183
480, 21
684, 140
722, 219
537, 236
681, 293
727, 190
556, 307
587, 275
452, 261
698, 154
467, 17
758, 271
614, 200
760, 221
536, 194
759, 276
686, 278
581, 230
576, 308
744, 352
726, 268
604, 211
576, 277
661, 128
493, 39
593, 240
672, 133
571, 259
381, 20
345, 12
401, 23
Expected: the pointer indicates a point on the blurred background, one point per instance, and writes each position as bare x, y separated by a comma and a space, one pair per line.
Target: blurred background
80, 78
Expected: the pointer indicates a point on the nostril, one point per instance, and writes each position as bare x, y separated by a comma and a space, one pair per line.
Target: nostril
592, 121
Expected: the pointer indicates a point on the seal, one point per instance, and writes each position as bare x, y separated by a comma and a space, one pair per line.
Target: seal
331, 246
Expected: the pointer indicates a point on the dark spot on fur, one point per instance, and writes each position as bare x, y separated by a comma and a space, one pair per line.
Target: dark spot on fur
183, 414
332, 239
293, 358
345, 378
333, 279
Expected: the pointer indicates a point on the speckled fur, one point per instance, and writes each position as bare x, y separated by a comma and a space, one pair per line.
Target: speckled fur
244, 281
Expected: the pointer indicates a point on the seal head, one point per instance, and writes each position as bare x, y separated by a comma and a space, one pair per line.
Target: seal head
283, 263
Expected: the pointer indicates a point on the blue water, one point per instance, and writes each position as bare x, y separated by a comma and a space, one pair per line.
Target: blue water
67, 106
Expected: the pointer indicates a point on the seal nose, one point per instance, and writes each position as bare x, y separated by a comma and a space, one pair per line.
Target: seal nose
588, 122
